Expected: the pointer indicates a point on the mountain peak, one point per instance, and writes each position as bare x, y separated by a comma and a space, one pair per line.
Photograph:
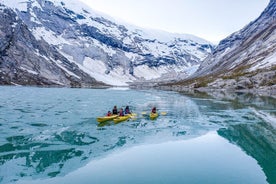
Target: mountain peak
102, 48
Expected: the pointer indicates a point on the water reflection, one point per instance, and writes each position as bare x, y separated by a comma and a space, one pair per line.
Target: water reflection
258, 141
238, 100
206, 159
257, 134
32, 158
66, 138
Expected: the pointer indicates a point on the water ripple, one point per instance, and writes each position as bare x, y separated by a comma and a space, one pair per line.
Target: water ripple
76, 138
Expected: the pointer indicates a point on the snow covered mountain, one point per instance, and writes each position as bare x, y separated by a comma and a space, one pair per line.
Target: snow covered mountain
244, 60
63, 42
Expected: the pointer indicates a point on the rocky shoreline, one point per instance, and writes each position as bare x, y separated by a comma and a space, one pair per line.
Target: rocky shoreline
262, 90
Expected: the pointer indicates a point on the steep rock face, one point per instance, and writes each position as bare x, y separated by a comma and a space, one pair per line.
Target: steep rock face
26, 61
246, 59
105, 50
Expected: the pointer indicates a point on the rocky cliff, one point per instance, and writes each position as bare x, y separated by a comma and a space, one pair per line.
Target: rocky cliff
27, 61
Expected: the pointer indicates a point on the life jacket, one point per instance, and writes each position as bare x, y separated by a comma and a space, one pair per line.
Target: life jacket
127, 111
121, 113
114, 111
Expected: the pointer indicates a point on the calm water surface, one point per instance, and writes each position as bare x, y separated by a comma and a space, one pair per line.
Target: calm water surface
50, 135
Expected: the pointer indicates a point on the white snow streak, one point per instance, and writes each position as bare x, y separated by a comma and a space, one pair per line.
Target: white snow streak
267, 62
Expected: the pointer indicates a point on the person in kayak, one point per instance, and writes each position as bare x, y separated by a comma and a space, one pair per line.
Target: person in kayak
127, 111
115, 111
153, 110
121, 112
108, 113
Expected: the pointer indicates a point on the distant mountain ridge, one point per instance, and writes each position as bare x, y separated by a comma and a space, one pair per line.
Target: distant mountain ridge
244, 60
63, 42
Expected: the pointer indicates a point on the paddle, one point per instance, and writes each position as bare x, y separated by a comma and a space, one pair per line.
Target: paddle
133, 114
162, 113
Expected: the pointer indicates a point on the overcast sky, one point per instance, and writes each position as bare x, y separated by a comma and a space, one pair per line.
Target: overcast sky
212, 20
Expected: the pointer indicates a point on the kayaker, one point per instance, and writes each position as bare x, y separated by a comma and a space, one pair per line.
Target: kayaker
121, 112
108, 113
127, 111
153, 110
115, 111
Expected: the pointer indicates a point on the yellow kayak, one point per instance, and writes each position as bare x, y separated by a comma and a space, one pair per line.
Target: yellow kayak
121, 118
124, 118
153, 115
106, 118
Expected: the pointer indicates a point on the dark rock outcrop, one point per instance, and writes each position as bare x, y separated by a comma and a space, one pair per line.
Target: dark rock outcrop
27, 61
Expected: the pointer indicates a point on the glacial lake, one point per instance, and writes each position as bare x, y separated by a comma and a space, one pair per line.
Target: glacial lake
50, 135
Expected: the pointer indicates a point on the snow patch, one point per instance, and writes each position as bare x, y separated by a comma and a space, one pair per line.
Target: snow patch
49, 36
267, 62
146, 72
15, 84
97, 68
33, 15
131, 55
29, 71
191, 70
59, 63
164, 36
78, 7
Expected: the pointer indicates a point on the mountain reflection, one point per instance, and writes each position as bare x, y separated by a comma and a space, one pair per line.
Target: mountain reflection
258, 141
239, 99
256, 134
30, 158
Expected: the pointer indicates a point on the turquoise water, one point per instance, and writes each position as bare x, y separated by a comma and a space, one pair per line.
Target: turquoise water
50, 135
